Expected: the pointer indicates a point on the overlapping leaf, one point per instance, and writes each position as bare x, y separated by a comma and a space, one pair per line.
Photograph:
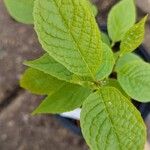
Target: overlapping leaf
21, 10
68, 31
134, 78
121, 17
40, 83
127, 58
108, 63
67, 98
105, 38
114, 83
93, 7
109, 121
48, 65
133, 37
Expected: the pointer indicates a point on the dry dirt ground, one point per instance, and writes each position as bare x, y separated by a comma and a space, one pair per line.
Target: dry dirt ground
19, 130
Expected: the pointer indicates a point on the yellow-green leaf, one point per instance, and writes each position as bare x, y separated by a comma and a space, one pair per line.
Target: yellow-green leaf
114, 83
109, 121
21, 10
107, 63
127, 58
134, 78
39, 83
93, 7
105, 39
133, 37
68, 31
121, 17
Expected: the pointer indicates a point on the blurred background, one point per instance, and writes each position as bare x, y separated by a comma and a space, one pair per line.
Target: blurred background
19, 130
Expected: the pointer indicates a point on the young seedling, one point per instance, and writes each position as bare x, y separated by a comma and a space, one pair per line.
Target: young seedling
78, 70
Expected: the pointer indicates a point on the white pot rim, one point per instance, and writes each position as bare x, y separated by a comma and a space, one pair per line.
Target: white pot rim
75, 114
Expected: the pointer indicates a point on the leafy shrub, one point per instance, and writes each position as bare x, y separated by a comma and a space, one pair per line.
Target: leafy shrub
78, 67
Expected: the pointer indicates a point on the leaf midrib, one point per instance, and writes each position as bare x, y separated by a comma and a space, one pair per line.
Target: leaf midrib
110, 120
74, 41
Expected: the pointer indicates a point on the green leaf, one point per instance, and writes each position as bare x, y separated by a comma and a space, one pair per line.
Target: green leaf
68, 31
127, 58
114, 83
108, 63
67, 98
48, 65
95, 10
121, 17
21, 10
93, 7
134, 78
39, 83
133, 37
109, 121
105, 39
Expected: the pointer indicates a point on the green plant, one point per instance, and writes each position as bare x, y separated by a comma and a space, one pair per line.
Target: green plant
21, 10
79, 67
